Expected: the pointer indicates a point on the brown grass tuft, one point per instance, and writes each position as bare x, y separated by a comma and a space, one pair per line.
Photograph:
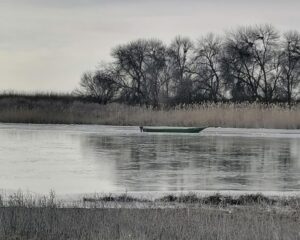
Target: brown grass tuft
25, 217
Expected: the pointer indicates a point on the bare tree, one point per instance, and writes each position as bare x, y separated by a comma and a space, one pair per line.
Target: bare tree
167, 85
155, 62
179, 55
207, 68
238, 65
140, 63
100, 85
290, 65
265, 53
252, 61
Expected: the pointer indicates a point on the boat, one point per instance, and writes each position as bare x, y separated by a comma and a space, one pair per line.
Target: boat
172, 129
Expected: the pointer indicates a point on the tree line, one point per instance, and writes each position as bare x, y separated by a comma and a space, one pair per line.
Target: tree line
253, 63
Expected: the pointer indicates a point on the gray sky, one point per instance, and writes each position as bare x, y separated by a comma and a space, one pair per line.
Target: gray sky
45, 45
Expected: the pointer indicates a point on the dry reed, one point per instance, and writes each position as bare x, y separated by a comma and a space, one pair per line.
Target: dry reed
244, 115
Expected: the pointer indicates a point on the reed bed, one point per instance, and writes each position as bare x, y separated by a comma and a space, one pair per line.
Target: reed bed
25, 217
77, 111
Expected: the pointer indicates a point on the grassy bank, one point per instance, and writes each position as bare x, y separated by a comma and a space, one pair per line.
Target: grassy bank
73, 110
257, 218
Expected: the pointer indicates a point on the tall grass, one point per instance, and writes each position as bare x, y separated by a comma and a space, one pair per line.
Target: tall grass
23, 218
73, 110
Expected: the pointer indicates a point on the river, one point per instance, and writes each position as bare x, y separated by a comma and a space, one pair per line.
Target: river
72, 159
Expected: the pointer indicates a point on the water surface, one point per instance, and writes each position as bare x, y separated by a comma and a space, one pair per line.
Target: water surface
86, 159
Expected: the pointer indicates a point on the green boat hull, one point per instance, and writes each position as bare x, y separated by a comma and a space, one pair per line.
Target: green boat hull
172, 129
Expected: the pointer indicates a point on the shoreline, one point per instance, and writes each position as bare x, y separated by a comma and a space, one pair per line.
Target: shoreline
222, 198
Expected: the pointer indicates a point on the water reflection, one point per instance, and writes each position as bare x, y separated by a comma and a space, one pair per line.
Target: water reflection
184, 162
78, 159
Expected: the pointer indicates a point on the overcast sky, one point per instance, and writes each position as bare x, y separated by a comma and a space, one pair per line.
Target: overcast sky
45, 45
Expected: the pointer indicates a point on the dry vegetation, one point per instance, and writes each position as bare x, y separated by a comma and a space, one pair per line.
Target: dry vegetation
24, 217
70, 110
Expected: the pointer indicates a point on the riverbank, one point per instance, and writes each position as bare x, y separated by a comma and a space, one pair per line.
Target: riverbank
170, 217
72, 110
